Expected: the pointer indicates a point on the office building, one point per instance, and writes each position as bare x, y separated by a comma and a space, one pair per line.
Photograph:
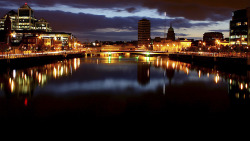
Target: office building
144, 29
212, 38
42, 24
240, 27
24, 19
14, 20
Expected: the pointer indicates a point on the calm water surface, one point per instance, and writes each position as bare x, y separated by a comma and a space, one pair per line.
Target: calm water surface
123, 87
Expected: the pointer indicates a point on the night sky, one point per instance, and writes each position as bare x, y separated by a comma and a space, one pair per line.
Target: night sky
113, 20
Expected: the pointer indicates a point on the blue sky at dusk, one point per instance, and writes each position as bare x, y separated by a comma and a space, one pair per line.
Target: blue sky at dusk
112, 20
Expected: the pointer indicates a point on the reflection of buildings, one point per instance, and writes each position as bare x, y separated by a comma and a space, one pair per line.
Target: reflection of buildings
239, 91
144, 30
170, 74
24, 82
240, 27
238, 84
143, 73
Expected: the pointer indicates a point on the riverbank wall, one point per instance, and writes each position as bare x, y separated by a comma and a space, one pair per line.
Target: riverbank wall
36, 60
222, 63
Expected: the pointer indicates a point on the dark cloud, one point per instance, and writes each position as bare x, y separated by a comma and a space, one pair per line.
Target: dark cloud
131, 9
192, 9
85, 25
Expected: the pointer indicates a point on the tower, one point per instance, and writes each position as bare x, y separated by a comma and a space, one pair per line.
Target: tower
7, 29
144, 29
26, 18
171, 34
7, 24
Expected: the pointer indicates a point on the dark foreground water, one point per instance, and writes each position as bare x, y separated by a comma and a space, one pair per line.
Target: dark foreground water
124, 88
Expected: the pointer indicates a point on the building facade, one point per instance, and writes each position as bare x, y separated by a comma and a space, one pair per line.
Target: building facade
24, 19
212, 38
47, 40
144, 31
240, 28
14, 20
161, 44
42, 24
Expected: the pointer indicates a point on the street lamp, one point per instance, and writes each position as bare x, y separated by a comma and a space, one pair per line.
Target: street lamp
13, 34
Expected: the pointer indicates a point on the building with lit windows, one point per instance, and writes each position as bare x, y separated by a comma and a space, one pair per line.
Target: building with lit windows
161, 44
169, 44
26, 33
14, 20
212, 38
32, 39
24, 19
240, 27
144, 29
42, 24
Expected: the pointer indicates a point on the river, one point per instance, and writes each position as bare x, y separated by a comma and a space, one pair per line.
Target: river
122, 87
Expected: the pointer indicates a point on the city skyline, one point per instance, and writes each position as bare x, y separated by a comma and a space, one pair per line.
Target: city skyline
111, 20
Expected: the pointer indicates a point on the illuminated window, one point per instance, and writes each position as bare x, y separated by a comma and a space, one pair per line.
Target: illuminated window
238, 36
245, 23
238, 23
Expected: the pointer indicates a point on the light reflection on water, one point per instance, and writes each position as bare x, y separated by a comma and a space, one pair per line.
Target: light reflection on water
116, 73
25, 81
178, 81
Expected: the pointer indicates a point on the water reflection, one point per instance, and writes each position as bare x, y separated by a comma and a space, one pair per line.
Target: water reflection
143, 73
238, 84
165, 80
24, 81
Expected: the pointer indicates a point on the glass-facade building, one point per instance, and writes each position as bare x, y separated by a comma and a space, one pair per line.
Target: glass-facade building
14, 20
42, 24
239, 27
24, 19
